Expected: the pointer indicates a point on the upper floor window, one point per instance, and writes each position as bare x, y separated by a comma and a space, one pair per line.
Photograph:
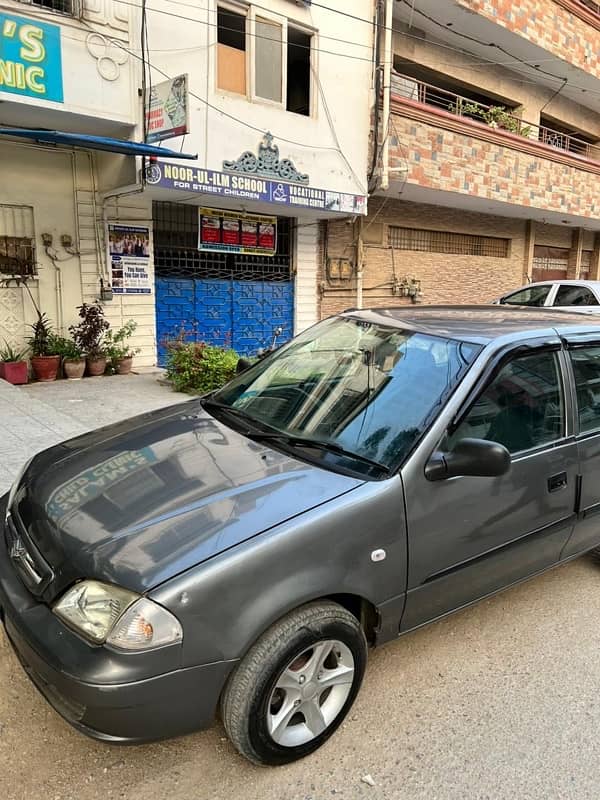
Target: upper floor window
264, 57
70, 7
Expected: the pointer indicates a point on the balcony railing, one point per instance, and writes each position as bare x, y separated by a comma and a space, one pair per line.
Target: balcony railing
591, 5
494, 116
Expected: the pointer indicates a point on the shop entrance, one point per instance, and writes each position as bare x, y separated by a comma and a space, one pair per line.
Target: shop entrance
223, 299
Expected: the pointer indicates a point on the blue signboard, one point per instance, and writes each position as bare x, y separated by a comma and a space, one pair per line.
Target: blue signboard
249, 187
30, 58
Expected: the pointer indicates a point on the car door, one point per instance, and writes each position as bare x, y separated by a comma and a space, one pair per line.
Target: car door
470, 536
584, 356
569, 295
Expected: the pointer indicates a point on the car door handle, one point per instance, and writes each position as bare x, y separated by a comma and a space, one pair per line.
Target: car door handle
557, 482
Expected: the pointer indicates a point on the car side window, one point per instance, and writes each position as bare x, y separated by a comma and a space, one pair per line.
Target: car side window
522, 408
531, 296
586, 367
575, 296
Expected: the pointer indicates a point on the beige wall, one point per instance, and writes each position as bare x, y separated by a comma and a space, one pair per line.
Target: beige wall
444, 278
59, 186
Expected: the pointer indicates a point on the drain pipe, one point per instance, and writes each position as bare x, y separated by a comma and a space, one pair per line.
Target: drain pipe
360, 255
387, 75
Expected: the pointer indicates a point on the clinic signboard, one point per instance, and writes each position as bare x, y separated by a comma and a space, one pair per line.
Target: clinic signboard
30, 58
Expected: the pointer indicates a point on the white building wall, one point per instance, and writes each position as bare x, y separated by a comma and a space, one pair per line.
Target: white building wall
223, 125
307, 258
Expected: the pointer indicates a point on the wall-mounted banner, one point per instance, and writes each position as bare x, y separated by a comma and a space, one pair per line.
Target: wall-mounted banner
231, 232
167, 110
30, 58
246, 187
129, 259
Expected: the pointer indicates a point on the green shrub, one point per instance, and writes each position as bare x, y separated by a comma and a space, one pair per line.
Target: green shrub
64, 347
197, 367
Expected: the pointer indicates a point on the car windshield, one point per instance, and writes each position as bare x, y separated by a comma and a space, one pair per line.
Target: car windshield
364, 387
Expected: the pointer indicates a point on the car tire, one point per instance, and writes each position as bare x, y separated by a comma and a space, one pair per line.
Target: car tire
295, 685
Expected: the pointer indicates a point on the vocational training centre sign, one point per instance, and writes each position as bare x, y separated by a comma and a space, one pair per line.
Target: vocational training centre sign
249, 187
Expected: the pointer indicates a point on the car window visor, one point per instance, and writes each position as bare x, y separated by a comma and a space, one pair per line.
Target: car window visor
509, 353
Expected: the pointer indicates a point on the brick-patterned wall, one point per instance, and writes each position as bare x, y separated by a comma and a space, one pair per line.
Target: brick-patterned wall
460, 161
444, 278
548, 24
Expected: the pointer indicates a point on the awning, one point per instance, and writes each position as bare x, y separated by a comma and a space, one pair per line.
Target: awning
122, 146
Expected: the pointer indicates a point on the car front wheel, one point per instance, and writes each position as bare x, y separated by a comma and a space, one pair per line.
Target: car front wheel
296, 684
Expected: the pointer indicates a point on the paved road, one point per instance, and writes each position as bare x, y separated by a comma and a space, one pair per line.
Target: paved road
500, 701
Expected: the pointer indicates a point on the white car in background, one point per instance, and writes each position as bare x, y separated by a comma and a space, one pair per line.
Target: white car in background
571, 295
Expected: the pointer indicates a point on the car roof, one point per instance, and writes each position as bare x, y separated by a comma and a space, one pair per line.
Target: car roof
579, 282
480, 324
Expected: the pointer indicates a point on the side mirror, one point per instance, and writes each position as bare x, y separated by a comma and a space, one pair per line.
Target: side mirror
474, 457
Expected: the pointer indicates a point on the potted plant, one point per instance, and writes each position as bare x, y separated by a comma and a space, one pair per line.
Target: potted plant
72, 357
118, 350
89, 334
44, 361
13, 364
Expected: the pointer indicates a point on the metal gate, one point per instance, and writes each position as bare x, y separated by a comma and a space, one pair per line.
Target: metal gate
226, 299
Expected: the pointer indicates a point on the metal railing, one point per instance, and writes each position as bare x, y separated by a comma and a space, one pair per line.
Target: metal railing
591, 5
495, 116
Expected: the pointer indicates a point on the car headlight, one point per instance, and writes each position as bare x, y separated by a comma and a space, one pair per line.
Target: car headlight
108, 614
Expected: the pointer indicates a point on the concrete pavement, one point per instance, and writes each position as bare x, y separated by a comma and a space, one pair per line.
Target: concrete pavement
39, 415
498, 702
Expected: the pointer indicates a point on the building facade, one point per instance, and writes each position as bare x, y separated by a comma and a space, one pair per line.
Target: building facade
273, 90
489, 154
224, 246
64, 66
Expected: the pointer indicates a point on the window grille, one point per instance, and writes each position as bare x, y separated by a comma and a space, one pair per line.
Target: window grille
550, 258
69, 7
17, 241
447, 242
176, 253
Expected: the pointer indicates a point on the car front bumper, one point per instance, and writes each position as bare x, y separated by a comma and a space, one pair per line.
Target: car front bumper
160, 706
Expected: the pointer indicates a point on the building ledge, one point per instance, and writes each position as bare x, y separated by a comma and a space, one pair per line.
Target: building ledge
443, 119
579, 9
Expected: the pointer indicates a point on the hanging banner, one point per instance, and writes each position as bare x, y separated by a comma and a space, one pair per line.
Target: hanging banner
129, 259
232, 232
167, 110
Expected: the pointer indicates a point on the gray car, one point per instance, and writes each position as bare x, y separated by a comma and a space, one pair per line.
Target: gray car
242, 551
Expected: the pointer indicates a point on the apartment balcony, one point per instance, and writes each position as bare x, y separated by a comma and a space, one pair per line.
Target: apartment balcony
442, 142
545, 41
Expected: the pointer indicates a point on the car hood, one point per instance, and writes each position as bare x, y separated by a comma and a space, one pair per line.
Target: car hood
138, 502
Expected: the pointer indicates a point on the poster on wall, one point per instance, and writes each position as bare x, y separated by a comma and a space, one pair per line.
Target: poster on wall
129, 259
167, 110
232, 232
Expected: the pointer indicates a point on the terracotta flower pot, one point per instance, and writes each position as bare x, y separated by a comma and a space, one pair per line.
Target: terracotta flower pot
124, 365
74, 368
15, 372
96, 366
45, 368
